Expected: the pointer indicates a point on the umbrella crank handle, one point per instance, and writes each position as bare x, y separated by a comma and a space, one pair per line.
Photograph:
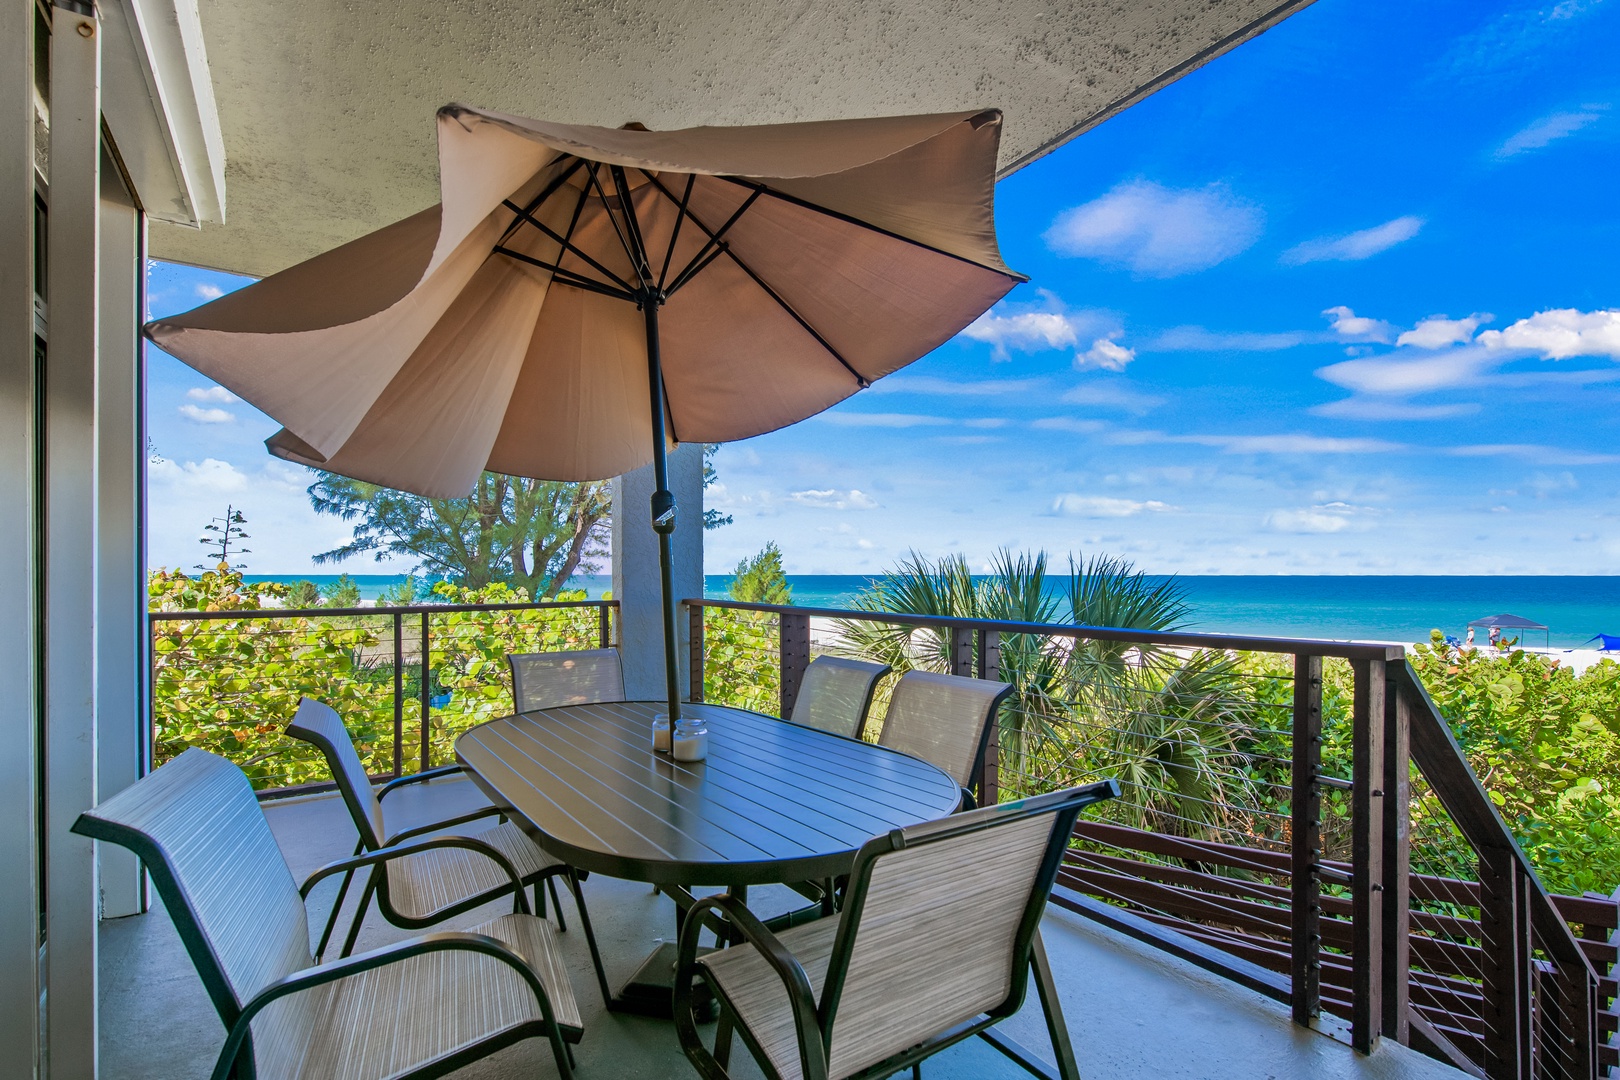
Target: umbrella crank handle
663, 511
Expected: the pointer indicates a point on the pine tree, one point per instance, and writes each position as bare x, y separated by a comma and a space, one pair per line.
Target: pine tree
760, 580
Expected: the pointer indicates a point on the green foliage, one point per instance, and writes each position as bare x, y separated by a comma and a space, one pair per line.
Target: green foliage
760, 580
740, 665
403, 594
302, 595
533, 534
231, 685
712, 519
1545, 742
342, 593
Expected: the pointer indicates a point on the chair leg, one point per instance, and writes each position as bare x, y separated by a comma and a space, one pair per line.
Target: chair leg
590, 937
337, 906
360, 914
916, 1070
539, 900
722, 1039
1056, 1026
551, 886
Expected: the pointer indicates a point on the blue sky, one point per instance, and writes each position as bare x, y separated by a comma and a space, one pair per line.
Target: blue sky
1344, 301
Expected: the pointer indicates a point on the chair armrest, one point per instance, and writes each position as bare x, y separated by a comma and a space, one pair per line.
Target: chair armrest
812, 1051
417, 778
395, 851
447, 823
309, 978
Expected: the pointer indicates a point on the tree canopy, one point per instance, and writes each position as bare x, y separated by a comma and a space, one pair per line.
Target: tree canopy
760, 580
532, 534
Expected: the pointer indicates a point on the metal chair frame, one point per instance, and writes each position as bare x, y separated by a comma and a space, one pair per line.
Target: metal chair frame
236, 1055
815, 1020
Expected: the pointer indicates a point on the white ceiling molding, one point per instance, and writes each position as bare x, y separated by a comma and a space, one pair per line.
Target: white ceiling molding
158, 101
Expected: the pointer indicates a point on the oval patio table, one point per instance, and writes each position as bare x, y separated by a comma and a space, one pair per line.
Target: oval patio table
775, 802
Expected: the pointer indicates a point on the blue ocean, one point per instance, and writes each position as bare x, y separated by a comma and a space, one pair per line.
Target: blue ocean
1369, 608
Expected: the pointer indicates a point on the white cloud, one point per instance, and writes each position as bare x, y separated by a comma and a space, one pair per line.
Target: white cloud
1437, 331
832, 499
1069, 424
1323, 518
1105, 354
1361, 408
1544, 455
1548, 130
1101, 506
1199, 339
1044, 325
1158, 231
1561, 333
1355, 246
210, 476
986, 422
933, 384
882, 420
1396, 374
1347, 324
207, 292
199, 415
1292, 444
1111, 393
216, 394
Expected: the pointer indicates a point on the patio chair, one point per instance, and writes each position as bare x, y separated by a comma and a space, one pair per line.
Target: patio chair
428, 888
935, 943
946, 721
420, 1007
550, 680
835, 694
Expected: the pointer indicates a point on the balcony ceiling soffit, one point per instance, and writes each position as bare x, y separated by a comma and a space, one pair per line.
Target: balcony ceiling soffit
327, 110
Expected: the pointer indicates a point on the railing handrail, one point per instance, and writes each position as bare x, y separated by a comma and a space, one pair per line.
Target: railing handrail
1348, 650
402, 609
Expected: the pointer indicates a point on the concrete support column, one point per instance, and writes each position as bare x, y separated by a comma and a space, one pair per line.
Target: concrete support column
70, 553
635, 568
19, 715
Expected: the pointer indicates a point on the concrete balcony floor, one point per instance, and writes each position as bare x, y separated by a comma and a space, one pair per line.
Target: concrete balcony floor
1133, 1011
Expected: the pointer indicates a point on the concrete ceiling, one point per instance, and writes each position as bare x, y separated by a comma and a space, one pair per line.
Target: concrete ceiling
327, 105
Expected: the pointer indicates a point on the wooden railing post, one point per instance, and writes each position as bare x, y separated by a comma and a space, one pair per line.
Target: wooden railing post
1506, 969
1397, 843
962, 651
604, 625
694, 651
1306, 899
988, 666
793, 656
1368, 943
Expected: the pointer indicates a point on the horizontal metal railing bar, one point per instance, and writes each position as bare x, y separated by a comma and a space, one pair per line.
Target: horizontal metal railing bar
406, 609
1348, 650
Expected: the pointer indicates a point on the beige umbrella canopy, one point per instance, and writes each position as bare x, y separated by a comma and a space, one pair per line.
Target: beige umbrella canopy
582, 296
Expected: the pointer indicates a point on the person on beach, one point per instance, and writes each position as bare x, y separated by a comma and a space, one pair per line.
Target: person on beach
1469, 641
1496, 637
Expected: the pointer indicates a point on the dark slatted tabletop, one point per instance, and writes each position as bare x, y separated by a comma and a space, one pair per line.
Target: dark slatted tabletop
774, 802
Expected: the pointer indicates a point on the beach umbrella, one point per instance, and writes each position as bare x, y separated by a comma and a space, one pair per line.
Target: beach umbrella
583, 297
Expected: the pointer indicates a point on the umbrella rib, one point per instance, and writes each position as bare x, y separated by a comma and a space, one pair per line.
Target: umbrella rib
704, 256
566, 277
745, 268
796, 201
632, 226
591, 171
550, 189
567, 245
675, 233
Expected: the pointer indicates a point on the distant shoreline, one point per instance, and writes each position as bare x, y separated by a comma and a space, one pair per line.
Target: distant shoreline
1361, 607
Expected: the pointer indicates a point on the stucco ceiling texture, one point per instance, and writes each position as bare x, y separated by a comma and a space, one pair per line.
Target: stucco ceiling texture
327, 107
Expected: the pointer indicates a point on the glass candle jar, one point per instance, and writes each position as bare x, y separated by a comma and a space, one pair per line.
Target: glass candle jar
691, 739
660, 733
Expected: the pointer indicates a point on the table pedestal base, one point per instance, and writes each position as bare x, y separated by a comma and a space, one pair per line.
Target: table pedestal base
650, 991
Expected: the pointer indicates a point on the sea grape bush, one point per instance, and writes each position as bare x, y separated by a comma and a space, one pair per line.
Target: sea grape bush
231, 685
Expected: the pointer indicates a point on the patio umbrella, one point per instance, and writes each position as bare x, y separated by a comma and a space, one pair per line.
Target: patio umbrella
582, 297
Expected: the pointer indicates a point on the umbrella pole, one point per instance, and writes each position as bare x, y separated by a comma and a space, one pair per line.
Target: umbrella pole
663, 502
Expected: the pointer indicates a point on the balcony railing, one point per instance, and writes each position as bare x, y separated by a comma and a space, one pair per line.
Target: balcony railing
406, 680
1297, 816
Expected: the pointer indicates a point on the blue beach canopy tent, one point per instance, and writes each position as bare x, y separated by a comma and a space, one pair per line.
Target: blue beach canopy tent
1512, 622
1606, 642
